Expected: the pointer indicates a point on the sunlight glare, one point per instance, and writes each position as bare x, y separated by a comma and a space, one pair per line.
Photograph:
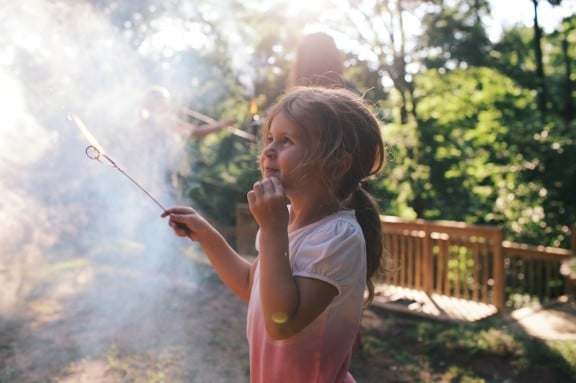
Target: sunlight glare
299, 7
174, 36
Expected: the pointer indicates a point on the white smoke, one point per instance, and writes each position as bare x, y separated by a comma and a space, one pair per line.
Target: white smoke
68, 222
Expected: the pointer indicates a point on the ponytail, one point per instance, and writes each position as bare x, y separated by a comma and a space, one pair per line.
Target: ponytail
368, 217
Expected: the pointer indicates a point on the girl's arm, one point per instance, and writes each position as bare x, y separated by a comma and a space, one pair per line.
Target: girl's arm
190, 130
234, 270
204, 130
289, 303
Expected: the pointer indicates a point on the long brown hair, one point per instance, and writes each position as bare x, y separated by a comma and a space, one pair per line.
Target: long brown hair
347, 132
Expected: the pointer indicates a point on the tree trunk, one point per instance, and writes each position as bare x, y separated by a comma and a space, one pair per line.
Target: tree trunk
568, 112
540, 79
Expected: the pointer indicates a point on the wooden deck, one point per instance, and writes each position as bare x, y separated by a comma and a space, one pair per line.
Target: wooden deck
435, 306
553, 322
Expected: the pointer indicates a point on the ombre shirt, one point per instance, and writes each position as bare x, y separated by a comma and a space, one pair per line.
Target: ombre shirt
332, 250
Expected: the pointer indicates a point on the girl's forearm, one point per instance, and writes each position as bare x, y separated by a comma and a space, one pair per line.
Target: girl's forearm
204, 130
278, 288
232, 269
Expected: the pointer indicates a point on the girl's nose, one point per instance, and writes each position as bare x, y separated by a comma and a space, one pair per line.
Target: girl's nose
268, 151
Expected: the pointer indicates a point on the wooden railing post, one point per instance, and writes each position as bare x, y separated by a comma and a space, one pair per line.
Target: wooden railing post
498, 292
428, 275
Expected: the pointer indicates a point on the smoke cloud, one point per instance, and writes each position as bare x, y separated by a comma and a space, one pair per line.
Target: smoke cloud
76, 235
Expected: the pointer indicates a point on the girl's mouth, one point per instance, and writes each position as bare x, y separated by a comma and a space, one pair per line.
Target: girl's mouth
269, 172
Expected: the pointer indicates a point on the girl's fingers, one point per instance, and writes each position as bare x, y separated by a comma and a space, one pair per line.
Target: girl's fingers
178, 220
179, 226
178, 210
257, 188
277, 185
268, 186
181, 230
251, 197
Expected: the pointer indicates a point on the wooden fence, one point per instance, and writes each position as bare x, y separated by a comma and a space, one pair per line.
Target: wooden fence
446, 258
454, 259
533, 272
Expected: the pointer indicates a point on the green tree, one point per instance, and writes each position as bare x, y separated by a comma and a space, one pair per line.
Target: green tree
556, 170
540, 75
561, 55
476, 131
454, 36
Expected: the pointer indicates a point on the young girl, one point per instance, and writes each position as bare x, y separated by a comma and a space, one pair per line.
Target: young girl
305, 291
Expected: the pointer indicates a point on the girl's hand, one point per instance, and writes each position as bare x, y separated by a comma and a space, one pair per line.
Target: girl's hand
186, 222
267, 203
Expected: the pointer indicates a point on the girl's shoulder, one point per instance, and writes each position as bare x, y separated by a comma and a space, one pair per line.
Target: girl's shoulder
340, 218
332, 248
335, 227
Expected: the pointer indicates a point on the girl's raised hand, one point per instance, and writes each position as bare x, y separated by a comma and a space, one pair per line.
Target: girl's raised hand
186, 222
267, 202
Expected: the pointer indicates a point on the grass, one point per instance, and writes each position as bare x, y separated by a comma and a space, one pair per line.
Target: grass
431, 351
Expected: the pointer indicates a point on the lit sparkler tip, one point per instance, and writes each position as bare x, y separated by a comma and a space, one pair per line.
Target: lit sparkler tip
85, 132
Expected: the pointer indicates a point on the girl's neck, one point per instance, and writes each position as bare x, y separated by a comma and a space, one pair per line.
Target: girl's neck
306, 214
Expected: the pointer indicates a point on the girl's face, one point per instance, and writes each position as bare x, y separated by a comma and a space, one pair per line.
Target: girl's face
284, 154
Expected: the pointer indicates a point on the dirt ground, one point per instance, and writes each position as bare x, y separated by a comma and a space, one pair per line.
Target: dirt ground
115, 325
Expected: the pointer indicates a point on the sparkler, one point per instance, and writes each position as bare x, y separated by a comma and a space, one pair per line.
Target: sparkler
96, 152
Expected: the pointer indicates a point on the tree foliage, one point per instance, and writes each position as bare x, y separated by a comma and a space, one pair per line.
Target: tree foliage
479, 149
476, 133
468, 141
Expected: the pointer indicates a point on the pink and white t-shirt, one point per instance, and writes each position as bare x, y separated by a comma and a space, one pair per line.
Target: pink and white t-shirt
332, 250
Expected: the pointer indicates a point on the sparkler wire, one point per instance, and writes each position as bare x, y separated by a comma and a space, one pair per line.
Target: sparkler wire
94, 154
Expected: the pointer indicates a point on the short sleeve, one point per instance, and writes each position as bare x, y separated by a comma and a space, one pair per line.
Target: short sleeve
333, 253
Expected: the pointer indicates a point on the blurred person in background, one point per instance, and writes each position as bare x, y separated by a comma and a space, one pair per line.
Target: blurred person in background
319, 62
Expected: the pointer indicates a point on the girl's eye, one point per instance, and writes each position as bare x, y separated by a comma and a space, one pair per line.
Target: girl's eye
280, 140
285, 140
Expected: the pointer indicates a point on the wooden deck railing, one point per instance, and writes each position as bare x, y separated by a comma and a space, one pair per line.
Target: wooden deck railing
447, 258
454, 259
533, 272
